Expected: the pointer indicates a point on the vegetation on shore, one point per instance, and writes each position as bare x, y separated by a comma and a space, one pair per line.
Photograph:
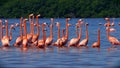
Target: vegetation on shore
60, 8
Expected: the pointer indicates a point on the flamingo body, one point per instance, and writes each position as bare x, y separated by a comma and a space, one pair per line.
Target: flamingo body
84, 42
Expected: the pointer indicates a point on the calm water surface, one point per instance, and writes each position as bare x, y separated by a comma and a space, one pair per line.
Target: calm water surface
54, 57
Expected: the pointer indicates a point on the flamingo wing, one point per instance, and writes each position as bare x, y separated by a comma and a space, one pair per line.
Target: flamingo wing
113, 40
73, 41
83, 42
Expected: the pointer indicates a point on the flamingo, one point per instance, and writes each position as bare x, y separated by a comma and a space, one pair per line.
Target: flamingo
108, 25
75, 41
36, 36
49, 40
111, 39
59, 41
6, 39
65, 38
97, 44
25, 40
29, 36
19, 39
41, 42
11, 27
84, 42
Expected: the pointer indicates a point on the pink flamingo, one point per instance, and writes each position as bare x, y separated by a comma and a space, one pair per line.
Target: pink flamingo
75, 41
97, 44
19, 39
84, 42
41, 42
49, 40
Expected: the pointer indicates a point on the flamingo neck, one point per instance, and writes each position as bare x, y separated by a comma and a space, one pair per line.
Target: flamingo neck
80, 33
108, 23
7, 29
38, 30
30, 21
44, 36
86, 32
44, 33
58, 31
51, 31
99, 36
32, 29
37, 22
25, 29
32, 26
52, 21
67, 32
77, 33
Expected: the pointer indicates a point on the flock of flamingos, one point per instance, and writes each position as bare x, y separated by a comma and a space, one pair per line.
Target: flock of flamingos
27, 40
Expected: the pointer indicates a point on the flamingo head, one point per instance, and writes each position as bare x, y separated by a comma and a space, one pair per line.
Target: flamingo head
12, 27
68, 24
57, 24
86, 24
107, 19
3, 26
45, 24
52, 19
79, 21
6, 20
77, 25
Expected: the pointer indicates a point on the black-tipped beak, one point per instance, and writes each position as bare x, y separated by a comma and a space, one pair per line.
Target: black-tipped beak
13, 28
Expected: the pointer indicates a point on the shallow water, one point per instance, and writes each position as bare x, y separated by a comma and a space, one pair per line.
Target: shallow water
74, 57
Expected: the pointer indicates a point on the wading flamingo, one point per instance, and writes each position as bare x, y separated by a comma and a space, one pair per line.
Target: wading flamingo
84, 42
36, 36
6, 39
97, 44
41, 42
65, 38
74, 41
111, 39
25, 40
19, 39
29, 36
49, 40
59, 41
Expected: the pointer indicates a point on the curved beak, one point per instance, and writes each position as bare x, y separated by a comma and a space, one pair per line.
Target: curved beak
13, 28
69, 24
